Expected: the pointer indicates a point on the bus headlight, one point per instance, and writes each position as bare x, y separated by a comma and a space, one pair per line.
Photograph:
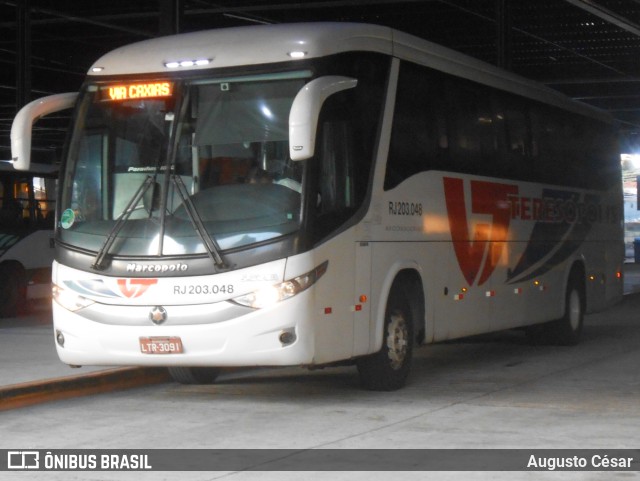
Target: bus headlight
268, 296
69, 299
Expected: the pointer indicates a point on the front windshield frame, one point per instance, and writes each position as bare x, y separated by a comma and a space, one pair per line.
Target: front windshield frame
356, 112
165, 166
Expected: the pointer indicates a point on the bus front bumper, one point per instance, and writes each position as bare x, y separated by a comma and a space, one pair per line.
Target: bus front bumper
278, 336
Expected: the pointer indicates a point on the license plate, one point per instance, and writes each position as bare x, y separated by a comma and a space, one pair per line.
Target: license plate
161, 345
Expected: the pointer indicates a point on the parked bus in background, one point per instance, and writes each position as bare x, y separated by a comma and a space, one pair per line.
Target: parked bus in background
311, 194
27, 210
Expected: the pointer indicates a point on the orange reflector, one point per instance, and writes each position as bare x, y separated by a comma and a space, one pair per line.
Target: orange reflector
363, 298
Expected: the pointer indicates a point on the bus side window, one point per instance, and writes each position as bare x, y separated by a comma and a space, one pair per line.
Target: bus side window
473, 144
419, 139
512, 122
547, 131
334, 179
22, 198
336, 168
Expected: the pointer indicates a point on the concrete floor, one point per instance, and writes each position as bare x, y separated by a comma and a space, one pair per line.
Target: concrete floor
493, 391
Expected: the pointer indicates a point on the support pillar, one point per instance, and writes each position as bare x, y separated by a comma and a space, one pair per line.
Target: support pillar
171, 16
504, 40
23, 53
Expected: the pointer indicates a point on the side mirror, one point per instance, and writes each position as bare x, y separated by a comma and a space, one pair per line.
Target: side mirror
23, 123
303, 117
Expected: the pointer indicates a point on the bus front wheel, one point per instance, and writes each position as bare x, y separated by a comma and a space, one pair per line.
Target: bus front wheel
194, 375
387, 370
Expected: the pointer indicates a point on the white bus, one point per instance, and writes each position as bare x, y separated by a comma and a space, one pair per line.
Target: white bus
311, 194
27, 209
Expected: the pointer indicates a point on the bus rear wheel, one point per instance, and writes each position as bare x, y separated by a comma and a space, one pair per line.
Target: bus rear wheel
565, 331
194, 375
387, 370
569, 327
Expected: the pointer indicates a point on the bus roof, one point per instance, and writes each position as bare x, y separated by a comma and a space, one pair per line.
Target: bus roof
236, 46
263, 44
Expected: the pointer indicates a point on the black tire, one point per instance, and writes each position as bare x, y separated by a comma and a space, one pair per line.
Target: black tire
194, 375
388, 369
565, 331
569, 327
13, 290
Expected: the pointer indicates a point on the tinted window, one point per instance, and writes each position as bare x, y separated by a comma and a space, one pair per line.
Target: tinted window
451, 124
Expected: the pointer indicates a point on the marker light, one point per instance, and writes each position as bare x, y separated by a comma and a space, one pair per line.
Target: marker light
271, 295
97, 69
200, 62
69, 299
297, 54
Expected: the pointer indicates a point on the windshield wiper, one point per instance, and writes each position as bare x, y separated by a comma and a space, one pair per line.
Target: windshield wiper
212, 247
98, 263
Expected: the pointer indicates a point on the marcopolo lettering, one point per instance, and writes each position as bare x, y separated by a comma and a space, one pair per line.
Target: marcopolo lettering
157, 268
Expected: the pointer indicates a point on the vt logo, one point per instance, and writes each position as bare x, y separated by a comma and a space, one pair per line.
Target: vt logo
478, 252
135, 287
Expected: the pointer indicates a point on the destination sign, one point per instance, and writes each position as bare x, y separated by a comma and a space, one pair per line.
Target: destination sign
137, 91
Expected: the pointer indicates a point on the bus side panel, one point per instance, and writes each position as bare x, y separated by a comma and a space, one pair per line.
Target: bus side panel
495, 253
363, 316
335, 300
414, 229
605, 287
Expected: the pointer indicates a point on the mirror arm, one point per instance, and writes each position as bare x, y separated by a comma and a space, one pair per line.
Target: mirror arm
22, 126
305, 110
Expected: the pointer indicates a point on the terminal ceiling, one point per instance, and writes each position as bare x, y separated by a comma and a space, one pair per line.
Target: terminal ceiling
587, 49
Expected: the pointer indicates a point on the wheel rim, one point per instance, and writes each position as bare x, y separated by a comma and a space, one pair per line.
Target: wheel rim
397, 341
574, 310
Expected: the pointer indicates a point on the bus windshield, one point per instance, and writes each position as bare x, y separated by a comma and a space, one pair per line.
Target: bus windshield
148, 156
